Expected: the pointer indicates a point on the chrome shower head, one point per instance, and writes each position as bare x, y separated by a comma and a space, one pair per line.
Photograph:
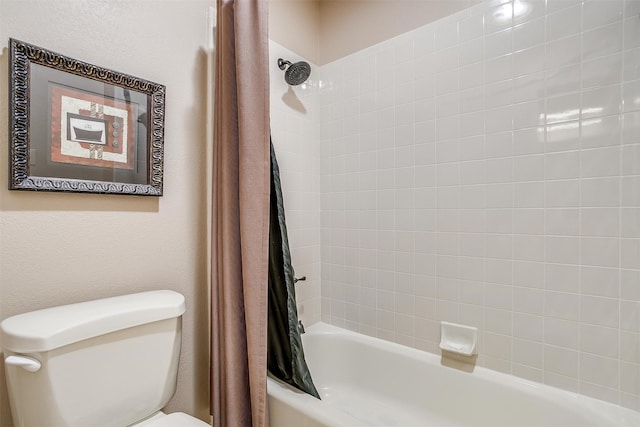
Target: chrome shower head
296, 73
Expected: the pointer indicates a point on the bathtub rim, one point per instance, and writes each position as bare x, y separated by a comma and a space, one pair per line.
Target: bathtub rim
607, 411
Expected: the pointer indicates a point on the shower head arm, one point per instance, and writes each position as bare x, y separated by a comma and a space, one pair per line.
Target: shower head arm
282, 64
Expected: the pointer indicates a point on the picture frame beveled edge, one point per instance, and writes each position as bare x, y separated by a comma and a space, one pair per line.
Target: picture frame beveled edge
21, 55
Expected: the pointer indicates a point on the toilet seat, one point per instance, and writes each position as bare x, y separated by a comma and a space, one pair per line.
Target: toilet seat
176, 419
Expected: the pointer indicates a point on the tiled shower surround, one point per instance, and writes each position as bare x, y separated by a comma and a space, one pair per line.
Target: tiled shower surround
295, 131
485, 170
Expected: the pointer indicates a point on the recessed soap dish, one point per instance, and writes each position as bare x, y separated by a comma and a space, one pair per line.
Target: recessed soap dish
460, 339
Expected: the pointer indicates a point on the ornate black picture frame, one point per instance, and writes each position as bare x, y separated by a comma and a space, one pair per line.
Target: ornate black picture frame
77, 127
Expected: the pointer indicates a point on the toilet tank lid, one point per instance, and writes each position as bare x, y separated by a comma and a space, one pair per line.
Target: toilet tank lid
47, 329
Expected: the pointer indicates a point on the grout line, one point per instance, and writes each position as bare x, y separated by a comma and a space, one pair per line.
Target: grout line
580, 204
620, 210
544, 204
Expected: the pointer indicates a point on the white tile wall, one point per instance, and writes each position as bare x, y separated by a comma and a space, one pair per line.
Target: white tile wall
295, 131
483, 169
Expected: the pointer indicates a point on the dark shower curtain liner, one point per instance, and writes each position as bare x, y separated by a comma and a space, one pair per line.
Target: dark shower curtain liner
285, 356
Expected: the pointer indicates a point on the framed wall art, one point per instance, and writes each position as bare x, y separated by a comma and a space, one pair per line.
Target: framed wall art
77, 127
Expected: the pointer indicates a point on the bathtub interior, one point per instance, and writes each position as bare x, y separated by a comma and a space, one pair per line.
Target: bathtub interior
289, 407
368, 381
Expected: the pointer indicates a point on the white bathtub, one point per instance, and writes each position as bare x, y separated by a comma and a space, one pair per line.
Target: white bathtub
365, 381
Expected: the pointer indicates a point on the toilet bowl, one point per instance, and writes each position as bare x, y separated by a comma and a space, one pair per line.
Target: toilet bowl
108, 362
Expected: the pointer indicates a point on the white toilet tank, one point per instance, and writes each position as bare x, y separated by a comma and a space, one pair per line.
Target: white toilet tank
109, 362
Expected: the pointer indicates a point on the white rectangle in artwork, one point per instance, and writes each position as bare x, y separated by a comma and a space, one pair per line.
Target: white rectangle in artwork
87, 130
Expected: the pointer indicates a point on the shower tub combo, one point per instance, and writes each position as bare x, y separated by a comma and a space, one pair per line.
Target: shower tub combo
368, 382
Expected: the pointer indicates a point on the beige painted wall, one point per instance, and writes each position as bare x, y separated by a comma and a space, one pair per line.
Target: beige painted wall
64, 248
347, 26
325, 30
296, 25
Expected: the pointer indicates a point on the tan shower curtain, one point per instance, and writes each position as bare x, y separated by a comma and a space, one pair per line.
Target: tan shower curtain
240, 216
